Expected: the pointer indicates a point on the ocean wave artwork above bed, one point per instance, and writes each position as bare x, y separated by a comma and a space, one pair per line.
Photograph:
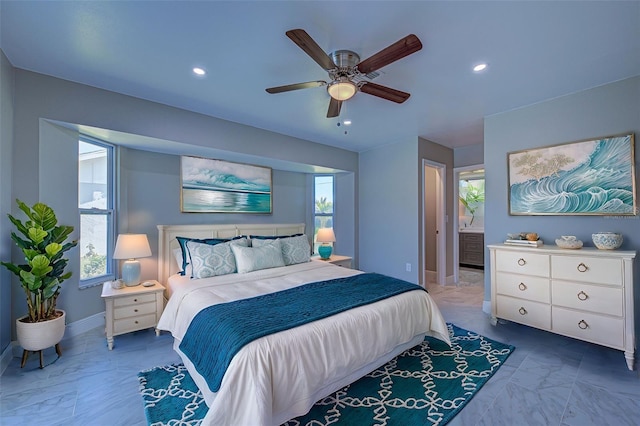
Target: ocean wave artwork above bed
221, 186
581, 178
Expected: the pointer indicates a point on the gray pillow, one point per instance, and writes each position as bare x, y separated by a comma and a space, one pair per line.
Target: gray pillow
294, 249
254, 258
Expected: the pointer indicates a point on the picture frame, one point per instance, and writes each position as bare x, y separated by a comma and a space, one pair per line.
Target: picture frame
588, 177
218, 186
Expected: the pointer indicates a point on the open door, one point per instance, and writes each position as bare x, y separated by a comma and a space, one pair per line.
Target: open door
434, 222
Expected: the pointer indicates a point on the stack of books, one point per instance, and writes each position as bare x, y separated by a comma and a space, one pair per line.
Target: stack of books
524, 243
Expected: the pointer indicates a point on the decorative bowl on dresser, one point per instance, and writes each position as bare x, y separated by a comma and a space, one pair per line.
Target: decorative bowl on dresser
585, 294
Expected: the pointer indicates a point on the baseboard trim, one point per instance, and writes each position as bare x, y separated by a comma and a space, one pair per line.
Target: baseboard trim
82, 326
486, 306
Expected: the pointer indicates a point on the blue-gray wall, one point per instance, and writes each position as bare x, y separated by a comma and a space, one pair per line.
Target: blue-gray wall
603, 111
469, 155
6, 196
47, 113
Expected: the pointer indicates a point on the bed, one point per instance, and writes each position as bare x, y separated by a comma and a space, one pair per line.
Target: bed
279, 376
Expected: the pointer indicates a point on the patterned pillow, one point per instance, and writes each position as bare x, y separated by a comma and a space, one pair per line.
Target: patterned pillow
254, 258
211, 260
185, 253
295, 249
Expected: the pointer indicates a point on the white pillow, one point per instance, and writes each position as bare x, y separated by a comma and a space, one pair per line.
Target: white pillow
213, 260
294, 249
177, 253
254, 258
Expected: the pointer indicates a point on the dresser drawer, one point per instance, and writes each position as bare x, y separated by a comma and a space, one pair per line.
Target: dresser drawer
597, 299
587, 269
604, 330
524, 311
127, 325
523, 286
523, 263
134, 299
134, 310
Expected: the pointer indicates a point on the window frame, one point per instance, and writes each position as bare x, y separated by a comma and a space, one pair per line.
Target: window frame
109, 213
332, 215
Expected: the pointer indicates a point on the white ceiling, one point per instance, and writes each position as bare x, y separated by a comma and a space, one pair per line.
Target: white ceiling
535, 50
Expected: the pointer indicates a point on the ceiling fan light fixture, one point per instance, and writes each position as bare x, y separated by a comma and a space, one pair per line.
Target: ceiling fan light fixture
342, 89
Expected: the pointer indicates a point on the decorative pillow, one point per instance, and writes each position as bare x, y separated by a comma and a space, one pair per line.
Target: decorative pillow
177, 254
295, 249
209, 260
254, 258
185, 253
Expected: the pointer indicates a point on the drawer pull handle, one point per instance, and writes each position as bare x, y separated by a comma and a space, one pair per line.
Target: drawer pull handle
583, 296
582, 267
583, 325
135, 310
522, 311
136, 322
522, 286
522, 262
135, 300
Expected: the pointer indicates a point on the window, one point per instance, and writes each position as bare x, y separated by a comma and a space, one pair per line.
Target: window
96, 200
323, 199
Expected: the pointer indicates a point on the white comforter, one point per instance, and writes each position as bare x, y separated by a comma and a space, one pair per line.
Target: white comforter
281, 376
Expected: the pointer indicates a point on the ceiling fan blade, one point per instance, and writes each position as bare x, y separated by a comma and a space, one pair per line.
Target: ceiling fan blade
334, 108
384, 92
306, 43
398, 50
297, 86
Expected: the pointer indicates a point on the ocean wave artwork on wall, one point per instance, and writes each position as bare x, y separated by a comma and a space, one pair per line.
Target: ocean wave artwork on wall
217, 186
594, 177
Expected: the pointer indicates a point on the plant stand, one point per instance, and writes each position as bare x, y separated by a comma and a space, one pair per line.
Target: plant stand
25, 355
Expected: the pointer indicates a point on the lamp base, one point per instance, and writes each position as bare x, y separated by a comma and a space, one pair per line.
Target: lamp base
325, 252
131, 273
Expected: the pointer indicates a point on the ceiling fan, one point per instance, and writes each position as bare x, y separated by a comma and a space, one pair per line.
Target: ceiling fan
348, 74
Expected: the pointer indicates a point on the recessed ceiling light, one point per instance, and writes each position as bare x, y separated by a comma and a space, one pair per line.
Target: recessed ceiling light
199, 71
480, 67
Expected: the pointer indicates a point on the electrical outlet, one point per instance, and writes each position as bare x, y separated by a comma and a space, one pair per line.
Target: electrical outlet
408, 267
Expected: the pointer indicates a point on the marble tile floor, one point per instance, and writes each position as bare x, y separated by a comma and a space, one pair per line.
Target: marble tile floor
548, 380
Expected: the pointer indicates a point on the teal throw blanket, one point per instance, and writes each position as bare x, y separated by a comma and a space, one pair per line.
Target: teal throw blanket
218, 332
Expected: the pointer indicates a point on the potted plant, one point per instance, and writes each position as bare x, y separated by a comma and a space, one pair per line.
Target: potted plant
473, 197
43, 243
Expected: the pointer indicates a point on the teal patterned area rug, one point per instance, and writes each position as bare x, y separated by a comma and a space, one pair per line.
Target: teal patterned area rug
425, 385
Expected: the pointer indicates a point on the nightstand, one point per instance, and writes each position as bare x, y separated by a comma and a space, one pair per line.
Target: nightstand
132, 308
336, 259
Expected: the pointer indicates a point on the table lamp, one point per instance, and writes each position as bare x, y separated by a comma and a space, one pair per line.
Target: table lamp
325, 236
131, 247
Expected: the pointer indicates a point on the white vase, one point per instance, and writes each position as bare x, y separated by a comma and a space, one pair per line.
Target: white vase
35, 336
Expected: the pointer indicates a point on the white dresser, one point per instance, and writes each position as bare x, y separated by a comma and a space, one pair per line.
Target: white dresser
586, 294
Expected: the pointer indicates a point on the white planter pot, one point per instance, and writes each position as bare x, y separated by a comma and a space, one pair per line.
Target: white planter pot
40, 335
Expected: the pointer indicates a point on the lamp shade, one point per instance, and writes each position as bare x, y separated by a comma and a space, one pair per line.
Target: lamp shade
132, 246
325, 235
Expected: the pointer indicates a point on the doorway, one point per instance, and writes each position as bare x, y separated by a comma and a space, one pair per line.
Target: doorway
468, 229
434, 222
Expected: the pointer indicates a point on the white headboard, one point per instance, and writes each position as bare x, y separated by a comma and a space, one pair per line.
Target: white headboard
167, 242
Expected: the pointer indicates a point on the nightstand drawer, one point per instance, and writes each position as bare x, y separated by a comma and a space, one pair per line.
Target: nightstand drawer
135, 323
134, 299
134, 310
